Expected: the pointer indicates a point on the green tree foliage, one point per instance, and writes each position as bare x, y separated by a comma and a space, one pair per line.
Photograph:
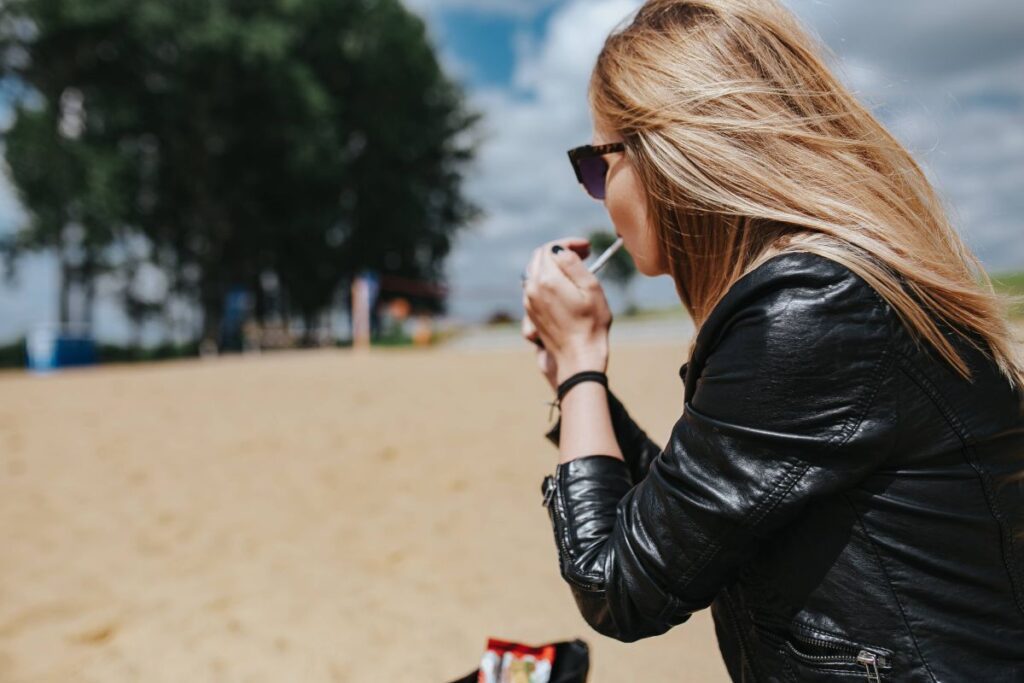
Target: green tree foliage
308, 138
1011, 286
76, 191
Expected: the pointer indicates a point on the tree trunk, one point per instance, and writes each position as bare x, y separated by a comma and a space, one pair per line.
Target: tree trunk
212, 300
64, 293
309, 321
88, 283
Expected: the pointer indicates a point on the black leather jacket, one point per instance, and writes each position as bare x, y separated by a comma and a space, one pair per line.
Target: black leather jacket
848, 506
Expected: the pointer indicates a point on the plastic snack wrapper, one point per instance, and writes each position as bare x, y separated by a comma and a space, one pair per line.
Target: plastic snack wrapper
507, 662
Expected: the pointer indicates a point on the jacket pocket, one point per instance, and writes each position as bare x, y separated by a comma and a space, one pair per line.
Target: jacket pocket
828, 658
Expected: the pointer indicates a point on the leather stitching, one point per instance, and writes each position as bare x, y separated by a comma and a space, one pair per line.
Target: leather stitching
794, 473
741, 638
842, 672
561, 511
892, 588
966, 441
570, 540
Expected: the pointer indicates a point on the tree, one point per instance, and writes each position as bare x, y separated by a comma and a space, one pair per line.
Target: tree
306, 138
71, 188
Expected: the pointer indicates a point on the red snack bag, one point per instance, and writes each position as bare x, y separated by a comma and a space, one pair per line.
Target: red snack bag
508, 662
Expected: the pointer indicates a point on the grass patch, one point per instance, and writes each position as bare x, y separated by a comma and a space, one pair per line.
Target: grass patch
1011, 284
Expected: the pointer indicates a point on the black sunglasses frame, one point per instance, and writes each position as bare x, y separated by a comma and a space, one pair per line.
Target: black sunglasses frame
576, 154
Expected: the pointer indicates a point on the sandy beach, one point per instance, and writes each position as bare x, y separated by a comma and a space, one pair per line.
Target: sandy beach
316, 516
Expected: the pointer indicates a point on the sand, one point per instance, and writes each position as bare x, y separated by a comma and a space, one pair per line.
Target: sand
316, 516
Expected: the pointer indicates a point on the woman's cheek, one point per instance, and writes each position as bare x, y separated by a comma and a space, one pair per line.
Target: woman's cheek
629, 216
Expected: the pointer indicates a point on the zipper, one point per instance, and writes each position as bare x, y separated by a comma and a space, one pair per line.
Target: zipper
549, 490
869, 660
557, 513
844, 654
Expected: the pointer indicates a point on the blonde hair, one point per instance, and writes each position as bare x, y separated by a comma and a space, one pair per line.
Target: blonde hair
748, 146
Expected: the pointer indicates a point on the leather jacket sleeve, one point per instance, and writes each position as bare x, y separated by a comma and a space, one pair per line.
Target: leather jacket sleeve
637, 448
784, 404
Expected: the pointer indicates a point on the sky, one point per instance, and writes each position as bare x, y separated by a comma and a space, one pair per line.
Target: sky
944, 77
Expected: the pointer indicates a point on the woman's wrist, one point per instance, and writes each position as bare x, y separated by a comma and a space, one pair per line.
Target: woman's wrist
586, 427
593, 361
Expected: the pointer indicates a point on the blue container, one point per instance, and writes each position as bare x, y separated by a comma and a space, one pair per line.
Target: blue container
47, 350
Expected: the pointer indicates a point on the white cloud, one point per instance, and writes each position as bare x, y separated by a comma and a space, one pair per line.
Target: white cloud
944, 77
931, 70
523, 178
918, 38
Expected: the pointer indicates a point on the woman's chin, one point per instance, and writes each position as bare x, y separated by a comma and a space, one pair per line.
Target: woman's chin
645, 269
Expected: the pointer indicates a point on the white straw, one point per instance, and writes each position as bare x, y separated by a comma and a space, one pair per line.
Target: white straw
603, 258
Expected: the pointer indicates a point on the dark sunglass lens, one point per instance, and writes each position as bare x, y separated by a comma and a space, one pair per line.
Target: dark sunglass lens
594, 170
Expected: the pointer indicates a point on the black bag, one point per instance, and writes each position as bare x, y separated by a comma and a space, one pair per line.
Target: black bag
572, 664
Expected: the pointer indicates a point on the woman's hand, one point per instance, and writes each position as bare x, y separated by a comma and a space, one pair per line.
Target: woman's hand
545, 361
566, 309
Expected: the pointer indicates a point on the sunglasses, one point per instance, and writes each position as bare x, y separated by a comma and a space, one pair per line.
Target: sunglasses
590, 166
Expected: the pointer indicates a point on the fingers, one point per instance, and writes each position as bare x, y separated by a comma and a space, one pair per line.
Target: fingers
544, 359
544, 275
547, 288
577, 245
572, 266
534, 265
545, 362
547, 281
529, 330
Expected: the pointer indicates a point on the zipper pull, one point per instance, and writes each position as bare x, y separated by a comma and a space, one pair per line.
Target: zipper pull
549, 489
869, 660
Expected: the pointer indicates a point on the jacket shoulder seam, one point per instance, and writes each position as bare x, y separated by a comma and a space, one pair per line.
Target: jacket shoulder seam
795, 472
966, 439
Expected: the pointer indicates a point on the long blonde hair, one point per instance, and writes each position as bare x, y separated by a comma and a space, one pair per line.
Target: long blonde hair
748, 146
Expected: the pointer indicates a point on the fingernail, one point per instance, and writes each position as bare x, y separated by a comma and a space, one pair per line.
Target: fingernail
557, 248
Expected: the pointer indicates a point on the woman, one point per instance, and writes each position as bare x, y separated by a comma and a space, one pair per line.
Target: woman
845, 486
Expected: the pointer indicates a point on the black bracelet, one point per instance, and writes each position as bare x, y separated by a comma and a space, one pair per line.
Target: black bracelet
584, 376
570, 382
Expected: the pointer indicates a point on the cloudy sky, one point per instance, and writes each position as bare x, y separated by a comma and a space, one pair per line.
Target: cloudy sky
944, 77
